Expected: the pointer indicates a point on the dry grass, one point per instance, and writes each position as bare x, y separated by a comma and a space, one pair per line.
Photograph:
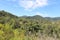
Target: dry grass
41, 37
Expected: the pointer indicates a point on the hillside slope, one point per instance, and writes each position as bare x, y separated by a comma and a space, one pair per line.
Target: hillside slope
28, 27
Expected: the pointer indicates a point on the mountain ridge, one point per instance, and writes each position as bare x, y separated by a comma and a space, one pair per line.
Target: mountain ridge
4, 13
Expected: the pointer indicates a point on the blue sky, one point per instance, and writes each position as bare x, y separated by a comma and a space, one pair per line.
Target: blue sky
45, 8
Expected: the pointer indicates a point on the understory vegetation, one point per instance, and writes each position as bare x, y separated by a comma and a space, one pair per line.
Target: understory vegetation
28, 27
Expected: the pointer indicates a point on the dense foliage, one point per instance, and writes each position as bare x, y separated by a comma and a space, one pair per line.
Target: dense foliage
27, 27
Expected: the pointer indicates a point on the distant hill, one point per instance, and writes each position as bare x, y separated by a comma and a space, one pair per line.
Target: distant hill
5, 14
37, 17
53, 19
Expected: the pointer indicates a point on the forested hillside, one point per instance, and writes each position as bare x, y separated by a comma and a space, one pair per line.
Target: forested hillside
28, 27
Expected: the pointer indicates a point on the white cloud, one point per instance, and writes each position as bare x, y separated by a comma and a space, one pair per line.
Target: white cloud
31, 4
41, 14
28, 4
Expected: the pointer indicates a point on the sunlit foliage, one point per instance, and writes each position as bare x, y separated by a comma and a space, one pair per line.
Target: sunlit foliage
28, 27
